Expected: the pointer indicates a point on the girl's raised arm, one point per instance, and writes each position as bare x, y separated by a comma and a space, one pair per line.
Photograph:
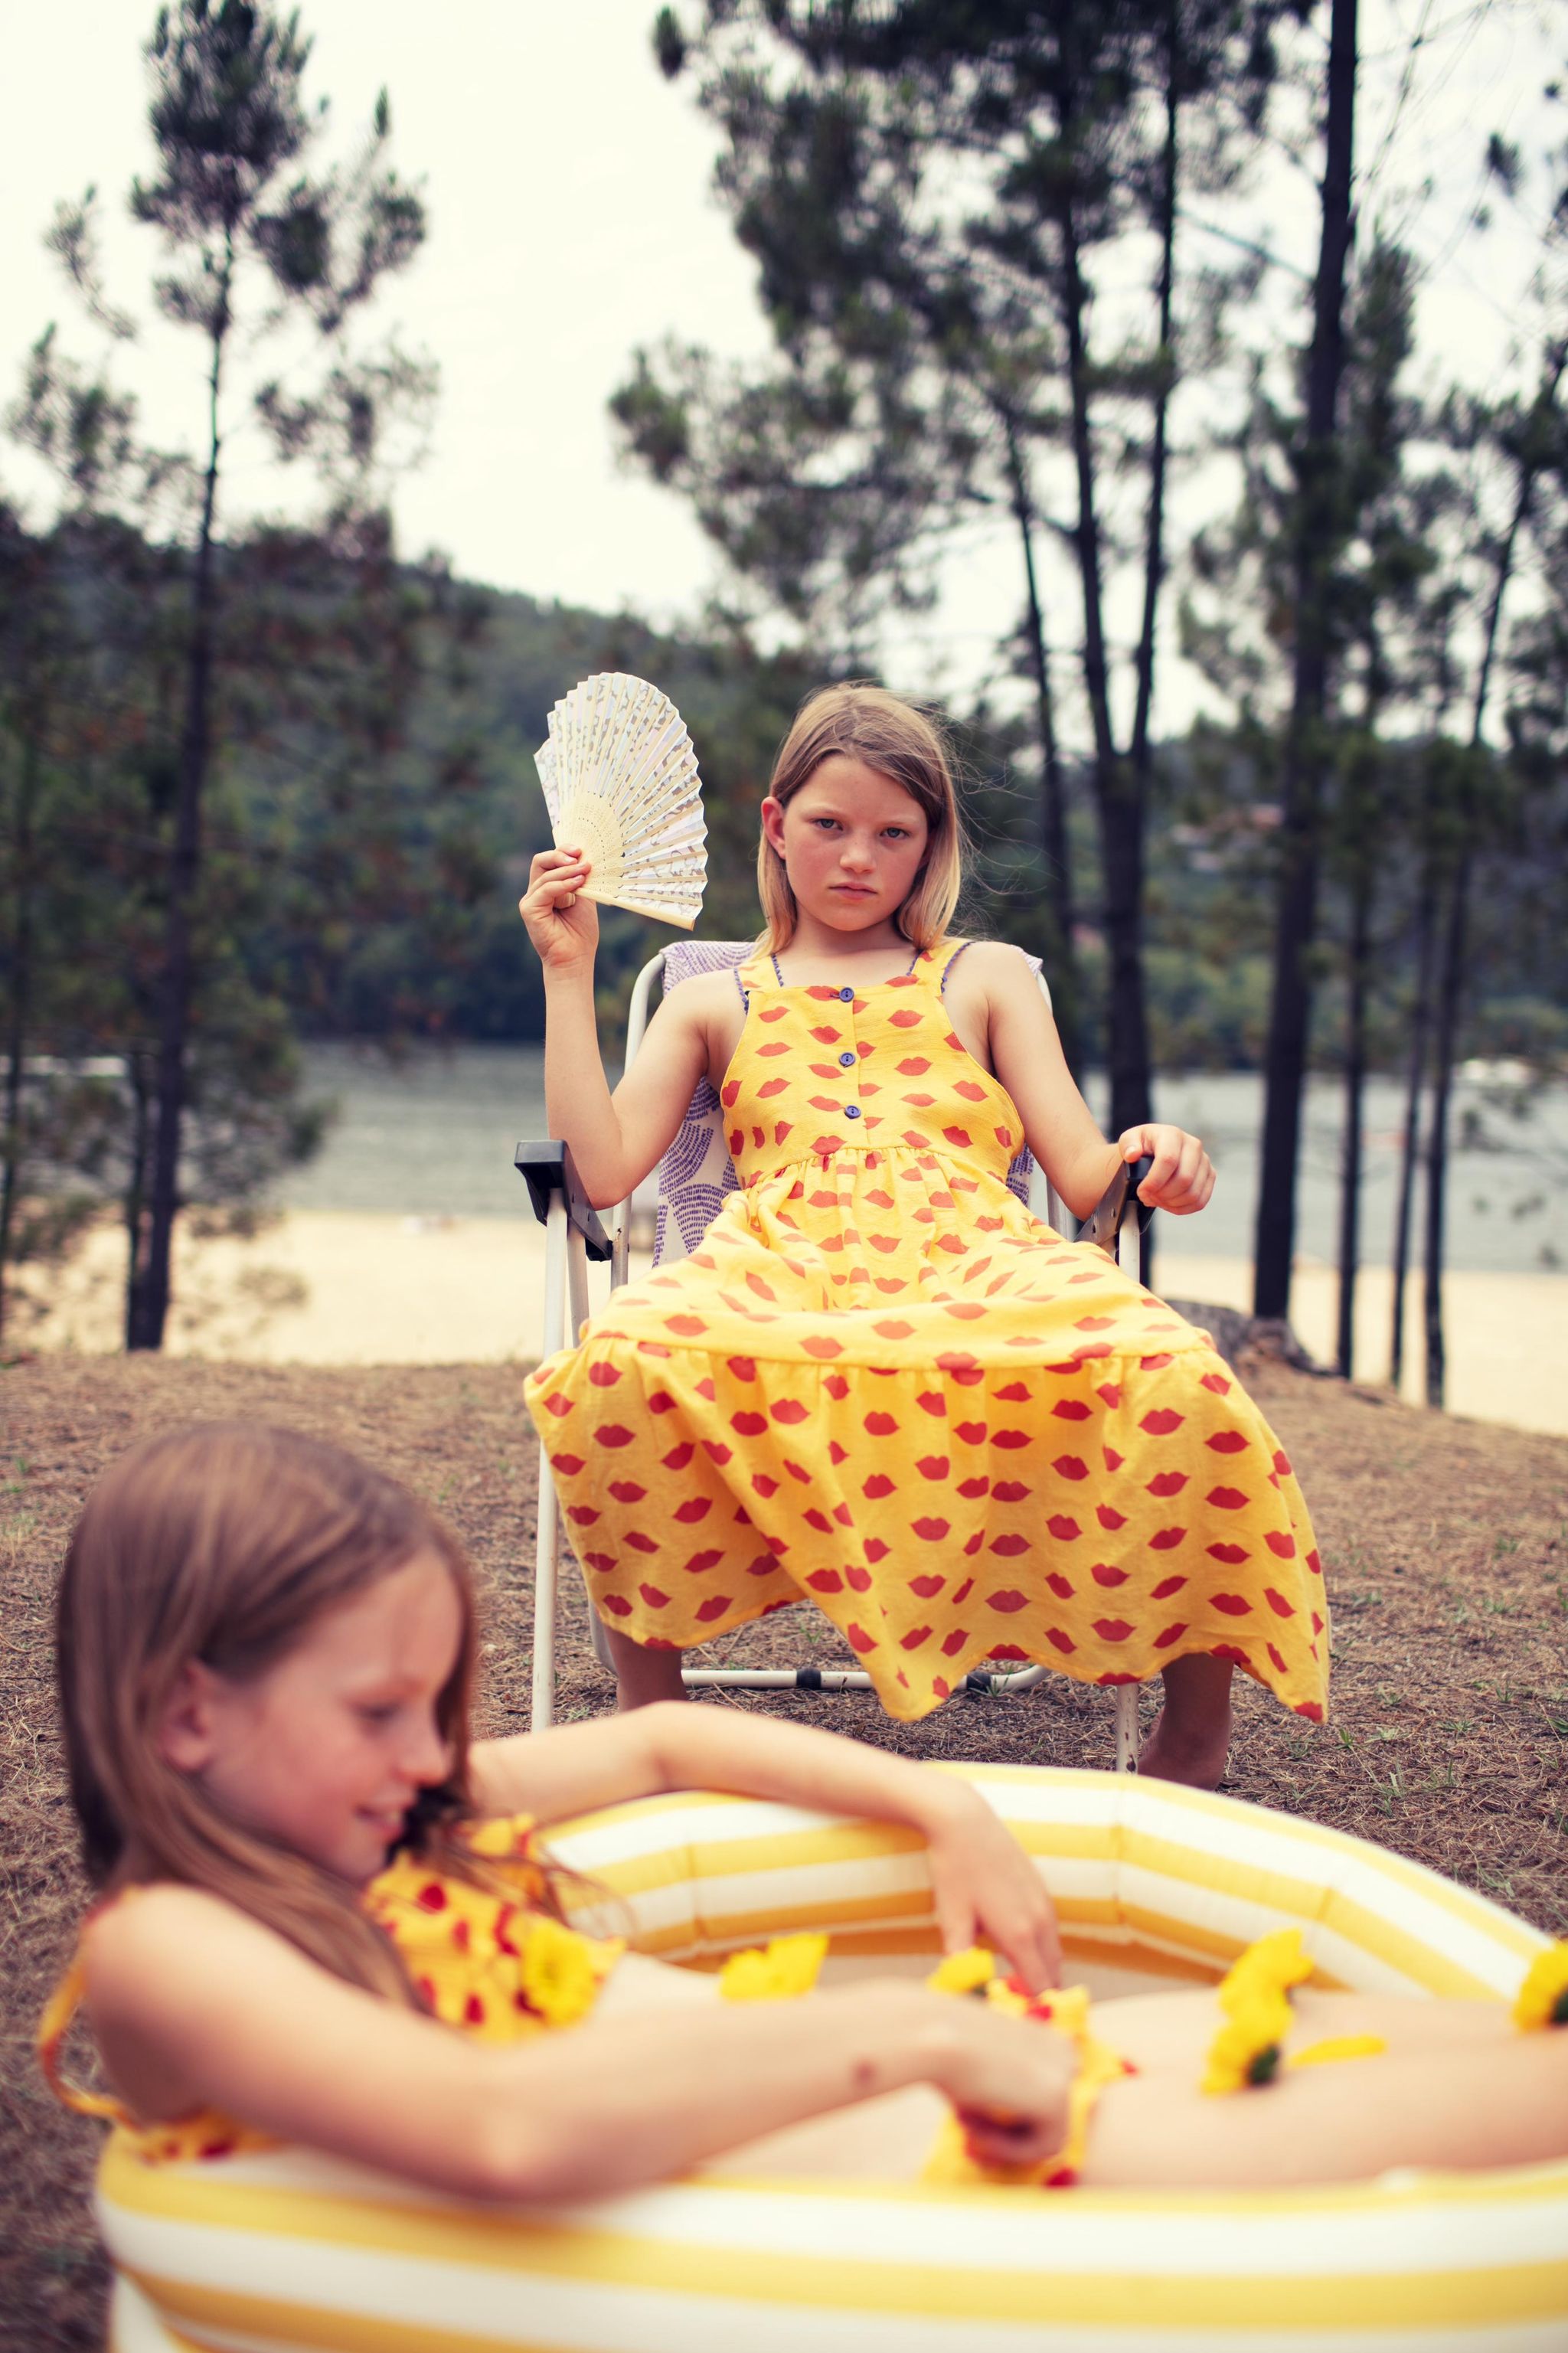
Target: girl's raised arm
196, 2006
615, 1140
982, 1884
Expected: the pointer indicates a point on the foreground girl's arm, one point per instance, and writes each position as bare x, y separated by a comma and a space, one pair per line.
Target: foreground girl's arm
982, 1884
195, 2005
613, 1139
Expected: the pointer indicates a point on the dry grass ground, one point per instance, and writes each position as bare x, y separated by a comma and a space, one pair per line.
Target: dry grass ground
1446, 1548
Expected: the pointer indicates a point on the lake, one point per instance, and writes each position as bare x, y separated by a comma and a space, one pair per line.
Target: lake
432, 1135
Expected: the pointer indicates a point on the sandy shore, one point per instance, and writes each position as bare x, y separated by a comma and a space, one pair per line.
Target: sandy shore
350, 1287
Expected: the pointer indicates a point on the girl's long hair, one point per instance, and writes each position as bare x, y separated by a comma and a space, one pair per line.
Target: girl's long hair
901, 742
223, 1544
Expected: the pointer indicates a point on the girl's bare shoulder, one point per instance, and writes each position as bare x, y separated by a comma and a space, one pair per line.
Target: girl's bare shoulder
988, 967
705, 993
149, 1935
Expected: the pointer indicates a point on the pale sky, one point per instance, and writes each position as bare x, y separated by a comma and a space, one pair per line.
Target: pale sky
572, 218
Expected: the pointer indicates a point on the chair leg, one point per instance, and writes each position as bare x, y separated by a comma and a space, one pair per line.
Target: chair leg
1127, 1727
577, 1305
547, 1544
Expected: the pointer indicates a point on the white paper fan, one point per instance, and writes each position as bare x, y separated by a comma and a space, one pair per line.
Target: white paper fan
621, 785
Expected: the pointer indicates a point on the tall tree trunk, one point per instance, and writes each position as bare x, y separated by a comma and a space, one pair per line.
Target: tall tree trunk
18, 1006
1355, 1082
1154, 530
1302, 782
135, 1196
1141, 760
1117, 795
149, 1298
1062, 964
1410, 1142
1450, 972
1532, 456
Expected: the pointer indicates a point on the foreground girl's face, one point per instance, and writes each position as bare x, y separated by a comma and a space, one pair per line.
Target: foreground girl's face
325, 1752
852, 841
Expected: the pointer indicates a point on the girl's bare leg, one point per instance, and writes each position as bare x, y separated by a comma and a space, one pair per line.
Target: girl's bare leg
1192, 1734
1458, 2086
643, 1676
1175, 2029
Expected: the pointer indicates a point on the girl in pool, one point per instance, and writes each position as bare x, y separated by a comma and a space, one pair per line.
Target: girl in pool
322, 1921
880, 1384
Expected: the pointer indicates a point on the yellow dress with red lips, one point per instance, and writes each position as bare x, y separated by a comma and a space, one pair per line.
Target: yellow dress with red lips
880, 1384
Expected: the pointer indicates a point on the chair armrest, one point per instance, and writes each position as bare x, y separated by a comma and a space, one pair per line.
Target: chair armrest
1104, 1223
547, 1168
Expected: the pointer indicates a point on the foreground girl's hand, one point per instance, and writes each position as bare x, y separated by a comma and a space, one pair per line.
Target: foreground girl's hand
1008, 2080
561, 923
1182, 1179
987, 1890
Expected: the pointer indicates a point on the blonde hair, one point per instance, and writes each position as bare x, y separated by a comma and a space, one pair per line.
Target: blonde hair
903, 742
223, 1544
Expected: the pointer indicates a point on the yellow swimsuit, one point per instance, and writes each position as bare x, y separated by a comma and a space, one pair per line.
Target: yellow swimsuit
489, 1963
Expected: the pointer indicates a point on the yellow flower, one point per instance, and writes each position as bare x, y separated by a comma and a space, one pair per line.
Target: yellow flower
1336, 2047
1064, 2007
557, 1972
501, 1839
967, 1972
780, 1971
1274, 1963
1246, 2049
1543, 1998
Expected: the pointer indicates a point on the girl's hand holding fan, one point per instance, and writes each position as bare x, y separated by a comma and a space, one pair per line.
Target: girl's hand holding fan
621, 785
562, 920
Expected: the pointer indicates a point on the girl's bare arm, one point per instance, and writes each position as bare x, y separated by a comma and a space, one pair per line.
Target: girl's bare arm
994, 992
983, 1882
198, 2006
613, 1139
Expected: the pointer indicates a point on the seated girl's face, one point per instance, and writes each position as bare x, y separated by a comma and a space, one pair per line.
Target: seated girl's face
324, 1752
852, 840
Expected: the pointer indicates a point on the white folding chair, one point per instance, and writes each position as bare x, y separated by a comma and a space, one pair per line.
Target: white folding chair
688, 1199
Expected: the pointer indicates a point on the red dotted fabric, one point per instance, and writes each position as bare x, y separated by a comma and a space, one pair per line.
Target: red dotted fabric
882, 1385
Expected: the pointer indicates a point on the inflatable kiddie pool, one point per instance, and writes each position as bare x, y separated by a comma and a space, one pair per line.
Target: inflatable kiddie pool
1156, 1885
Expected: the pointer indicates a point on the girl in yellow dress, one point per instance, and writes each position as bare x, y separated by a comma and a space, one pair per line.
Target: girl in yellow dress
323, 1918
880, 1383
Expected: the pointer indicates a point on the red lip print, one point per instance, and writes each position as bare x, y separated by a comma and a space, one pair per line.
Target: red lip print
1168, 1482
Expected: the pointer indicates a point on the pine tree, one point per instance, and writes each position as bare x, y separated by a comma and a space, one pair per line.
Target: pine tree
240, 217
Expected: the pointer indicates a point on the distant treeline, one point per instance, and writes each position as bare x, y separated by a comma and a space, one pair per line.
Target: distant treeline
1210, 907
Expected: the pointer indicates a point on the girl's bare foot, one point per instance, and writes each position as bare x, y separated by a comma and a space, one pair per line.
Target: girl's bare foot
1191, 1739
1198, 1760
643, 1677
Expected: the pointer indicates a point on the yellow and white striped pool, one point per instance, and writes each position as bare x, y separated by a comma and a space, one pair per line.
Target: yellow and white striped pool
288, 2252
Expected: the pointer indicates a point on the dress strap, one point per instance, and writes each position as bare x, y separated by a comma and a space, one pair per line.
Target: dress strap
778, 976
952, 959
62, 2007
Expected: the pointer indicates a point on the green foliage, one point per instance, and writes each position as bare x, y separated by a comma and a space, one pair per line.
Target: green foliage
259, 801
